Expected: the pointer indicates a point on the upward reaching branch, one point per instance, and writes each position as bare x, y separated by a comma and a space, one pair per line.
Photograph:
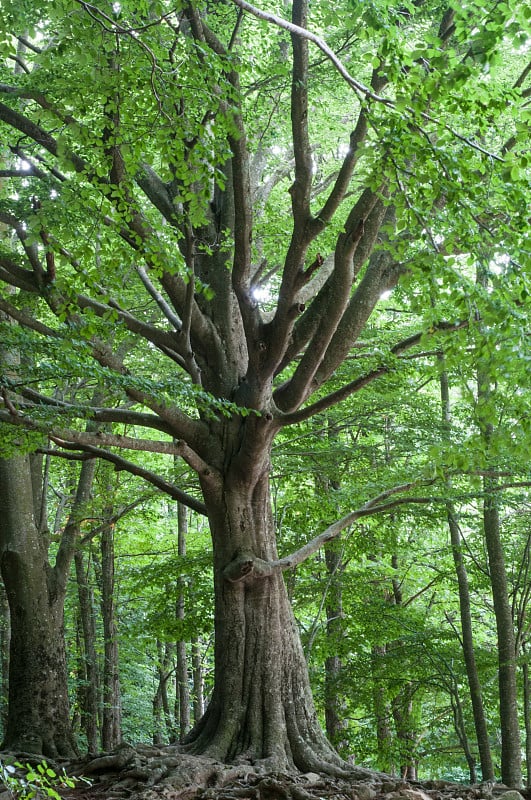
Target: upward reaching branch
298, 30
246, 565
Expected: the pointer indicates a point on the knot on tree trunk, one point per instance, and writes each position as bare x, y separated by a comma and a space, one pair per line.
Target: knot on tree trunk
247, 567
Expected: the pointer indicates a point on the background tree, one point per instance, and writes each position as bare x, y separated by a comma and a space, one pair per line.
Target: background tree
38, 708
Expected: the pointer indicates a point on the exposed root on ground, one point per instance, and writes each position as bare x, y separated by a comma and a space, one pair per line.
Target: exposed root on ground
147, 772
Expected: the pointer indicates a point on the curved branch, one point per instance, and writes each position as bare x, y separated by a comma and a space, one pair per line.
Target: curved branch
360, 88
332, 305
381, 274
374, 506
26, 321
342, 182
123, 464
246, 565
98, 414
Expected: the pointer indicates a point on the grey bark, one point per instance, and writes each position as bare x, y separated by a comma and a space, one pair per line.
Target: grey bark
406, 732
527, 713
5, 636
163, 727
474, 685
511, 769
335, 722
511, 759
90, 707
198, 701
182, 693
38, 717
460, 729
111, 734
262, 706
382, 712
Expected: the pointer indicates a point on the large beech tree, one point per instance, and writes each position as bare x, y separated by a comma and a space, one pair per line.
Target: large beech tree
205, 209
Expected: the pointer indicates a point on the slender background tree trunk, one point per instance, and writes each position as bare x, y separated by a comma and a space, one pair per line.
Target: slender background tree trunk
335, 722
511, 770
182, 689
111, 734
467, 641
91, 695
197, 679
5, 636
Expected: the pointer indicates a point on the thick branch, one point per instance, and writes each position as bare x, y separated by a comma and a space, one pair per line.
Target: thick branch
354, 386
26, 321
13, 275
301, 188
124, 416
129, 466
330, 308
39, 135
181, 425
345, 173
243, 224
155, 189
248, 566
381, 274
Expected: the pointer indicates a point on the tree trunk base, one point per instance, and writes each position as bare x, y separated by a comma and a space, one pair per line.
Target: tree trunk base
146, 772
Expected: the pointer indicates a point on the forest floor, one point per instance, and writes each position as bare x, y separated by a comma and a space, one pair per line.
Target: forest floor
147, 772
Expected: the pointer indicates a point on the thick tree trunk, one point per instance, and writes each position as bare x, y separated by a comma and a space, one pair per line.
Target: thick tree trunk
38, 715
261, 709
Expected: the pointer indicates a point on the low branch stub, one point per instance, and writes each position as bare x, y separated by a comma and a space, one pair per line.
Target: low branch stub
246, 566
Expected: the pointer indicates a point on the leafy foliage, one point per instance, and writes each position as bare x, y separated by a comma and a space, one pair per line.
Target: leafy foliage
26, 781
